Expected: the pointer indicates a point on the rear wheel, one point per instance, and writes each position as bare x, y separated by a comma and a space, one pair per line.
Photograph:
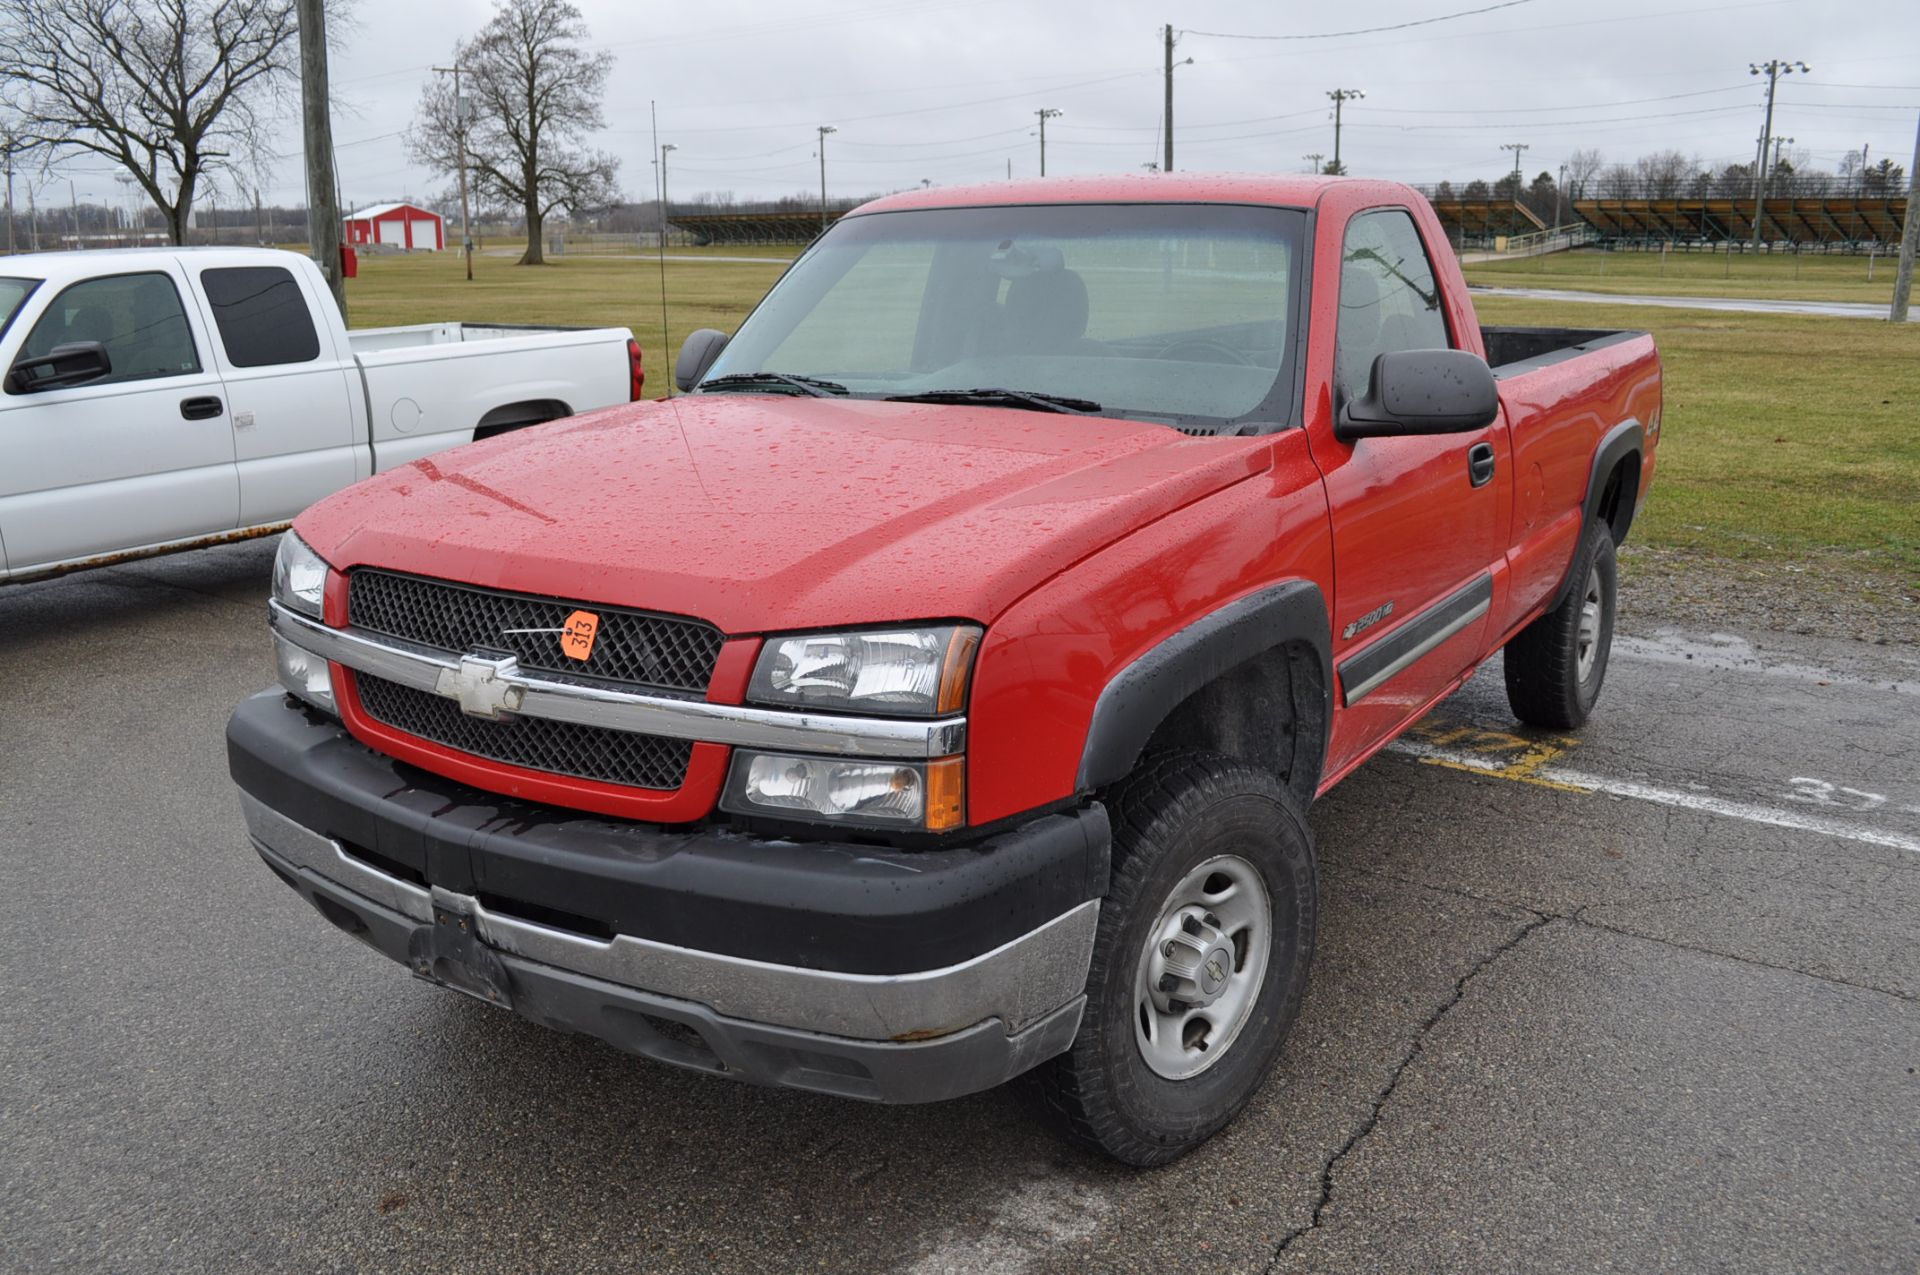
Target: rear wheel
1555, 666
1200, 961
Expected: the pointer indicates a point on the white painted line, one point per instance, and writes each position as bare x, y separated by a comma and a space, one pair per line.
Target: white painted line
1633, 791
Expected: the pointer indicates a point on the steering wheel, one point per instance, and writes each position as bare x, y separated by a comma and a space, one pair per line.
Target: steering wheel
1209, 351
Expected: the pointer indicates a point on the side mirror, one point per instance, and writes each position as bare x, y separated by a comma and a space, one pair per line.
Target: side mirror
697, 354
74, 363
1422, 392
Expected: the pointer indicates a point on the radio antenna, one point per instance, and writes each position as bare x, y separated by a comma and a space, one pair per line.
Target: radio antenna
660, 241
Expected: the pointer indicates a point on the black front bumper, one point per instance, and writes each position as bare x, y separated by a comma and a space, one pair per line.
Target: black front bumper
848, 914
826, 905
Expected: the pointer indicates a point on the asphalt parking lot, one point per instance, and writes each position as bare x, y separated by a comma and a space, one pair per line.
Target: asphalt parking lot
1645, 1001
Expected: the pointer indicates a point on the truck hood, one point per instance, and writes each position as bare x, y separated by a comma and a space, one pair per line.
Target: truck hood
763, 512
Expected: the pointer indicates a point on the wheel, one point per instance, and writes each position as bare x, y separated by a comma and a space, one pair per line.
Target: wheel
1199, 962
1555, 665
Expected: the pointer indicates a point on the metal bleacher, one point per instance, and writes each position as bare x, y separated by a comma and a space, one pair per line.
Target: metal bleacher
752, 227
1832, 224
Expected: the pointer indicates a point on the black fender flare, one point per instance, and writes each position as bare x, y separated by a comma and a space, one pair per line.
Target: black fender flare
1628, 438
1144, 693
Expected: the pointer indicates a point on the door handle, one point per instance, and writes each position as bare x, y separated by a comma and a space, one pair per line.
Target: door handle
200, 409
1480, 464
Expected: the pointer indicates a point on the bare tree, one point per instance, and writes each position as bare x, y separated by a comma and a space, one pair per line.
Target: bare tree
1583, 167
1618, 181
535, 93
169, 90
1662, 174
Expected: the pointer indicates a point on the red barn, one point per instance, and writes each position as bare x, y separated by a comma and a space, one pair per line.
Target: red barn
397, 226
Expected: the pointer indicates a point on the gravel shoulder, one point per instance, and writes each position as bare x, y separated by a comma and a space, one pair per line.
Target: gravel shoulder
1831, 596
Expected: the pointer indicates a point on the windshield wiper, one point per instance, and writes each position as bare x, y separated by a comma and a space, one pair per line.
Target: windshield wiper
805, 384
1029, 399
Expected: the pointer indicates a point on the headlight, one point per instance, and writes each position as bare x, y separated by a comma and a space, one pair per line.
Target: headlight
918, 672
305, 674
299, 577
927, 796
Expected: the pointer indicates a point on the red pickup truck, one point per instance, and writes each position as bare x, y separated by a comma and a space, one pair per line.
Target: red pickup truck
936, 690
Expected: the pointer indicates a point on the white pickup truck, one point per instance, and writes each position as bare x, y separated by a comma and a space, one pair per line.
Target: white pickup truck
162, 399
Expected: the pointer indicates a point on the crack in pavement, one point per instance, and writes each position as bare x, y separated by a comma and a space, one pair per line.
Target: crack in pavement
1578, 917
1413, 1051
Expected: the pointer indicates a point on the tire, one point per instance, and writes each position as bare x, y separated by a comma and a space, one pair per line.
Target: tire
1192, 820
1556, 665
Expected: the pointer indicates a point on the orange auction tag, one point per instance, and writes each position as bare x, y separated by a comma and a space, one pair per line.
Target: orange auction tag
576, 637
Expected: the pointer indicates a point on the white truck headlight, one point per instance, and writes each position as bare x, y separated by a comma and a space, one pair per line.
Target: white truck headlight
923, 796
905, 672
299, 577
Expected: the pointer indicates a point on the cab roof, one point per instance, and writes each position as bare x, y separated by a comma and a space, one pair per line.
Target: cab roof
1277, 189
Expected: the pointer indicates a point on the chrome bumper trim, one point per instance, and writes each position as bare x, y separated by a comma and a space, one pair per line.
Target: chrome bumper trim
1019, 982
583, 705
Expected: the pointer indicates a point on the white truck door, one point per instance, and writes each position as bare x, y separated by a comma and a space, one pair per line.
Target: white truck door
295, 429
141, 456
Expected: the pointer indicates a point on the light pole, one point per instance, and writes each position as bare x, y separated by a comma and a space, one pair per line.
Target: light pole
1045, 113
1559, 196
823, 130
1779, 144
665, 147
1314, 159
1518, 149
1773, 69
1340, 98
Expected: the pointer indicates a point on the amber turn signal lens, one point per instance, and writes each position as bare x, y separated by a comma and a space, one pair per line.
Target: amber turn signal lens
946, 794
957, 670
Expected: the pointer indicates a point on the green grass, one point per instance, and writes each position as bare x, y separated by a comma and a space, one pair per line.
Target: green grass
579, 291
1785, 436
1782, 436
1694, 274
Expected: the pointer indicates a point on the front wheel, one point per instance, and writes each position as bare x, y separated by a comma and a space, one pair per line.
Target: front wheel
1555, 666
1200, 960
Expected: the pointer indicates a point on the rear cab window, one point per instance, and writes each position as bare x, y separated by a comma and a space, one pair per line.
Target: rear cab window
136, 318
262, 315
13, 292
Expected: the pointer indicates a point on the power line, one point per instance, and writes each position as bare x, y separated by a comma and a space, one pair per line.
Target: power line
1335, 35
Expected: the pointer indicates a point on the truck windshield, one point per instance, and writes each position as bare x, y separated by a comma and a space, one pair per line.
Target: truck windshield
1179, 312
12, 293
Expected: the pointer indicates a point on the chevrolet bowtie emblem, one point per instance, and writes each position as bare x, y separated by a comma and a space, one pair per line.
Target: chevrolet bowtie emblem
484, 687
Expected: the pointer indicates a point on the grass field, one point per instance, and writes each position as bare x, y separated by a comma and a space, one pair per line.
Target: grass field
1784, 436
1692, 274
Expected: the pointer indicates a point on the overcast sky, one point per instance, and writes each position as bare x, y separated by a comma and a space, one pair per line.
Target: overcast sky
945, 91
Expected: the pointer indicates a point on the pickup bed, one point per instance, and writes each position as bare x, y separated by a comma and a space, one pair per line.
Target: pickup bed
935, 692
160, 399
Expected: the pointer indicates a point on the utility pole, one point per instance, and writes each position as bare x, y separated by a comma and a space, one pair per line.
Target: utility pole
1559, 196
317, 129
1518, 149
665, 148
1340, 98
1314, 159
824, 130
1909, 237
73, 202
1045, 113
1167, 159
1773, 69
9, 144
462, 111
1166, 163
259, 220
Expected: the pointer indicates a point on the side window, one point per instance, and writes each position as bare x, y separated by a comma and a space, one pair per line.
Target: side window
262, 316
1388, 298
137, 317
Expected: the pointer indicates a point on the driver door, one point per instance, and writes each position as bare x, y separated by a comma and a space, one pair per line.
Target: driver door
141, 456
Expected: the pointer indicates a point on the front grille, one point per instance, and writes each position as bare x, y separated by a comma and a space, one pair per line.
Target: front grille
635, 647
561, 748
